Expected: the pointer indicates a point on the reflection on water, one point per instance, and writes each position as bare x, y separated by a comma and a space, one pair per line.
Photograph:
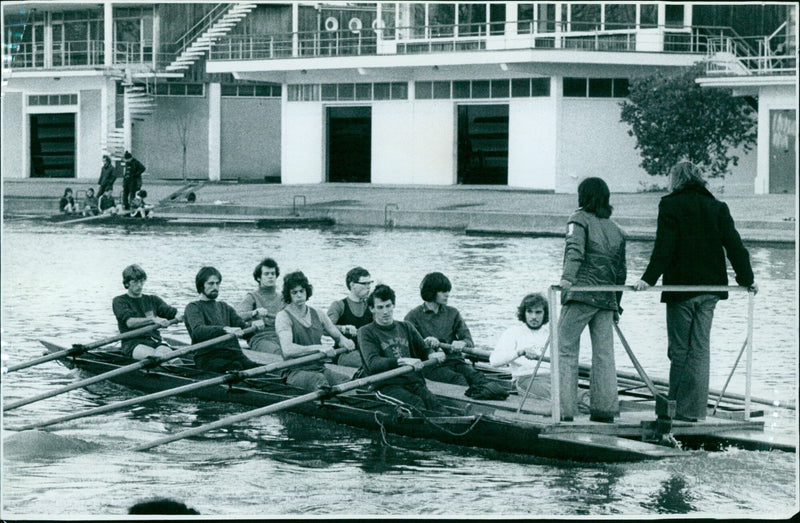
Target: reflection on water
60, 282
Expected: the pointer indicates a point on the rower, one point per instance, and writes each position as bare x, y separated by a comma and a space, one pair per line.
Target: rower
300, 329
523, 344
134, 309
264, 303
352, 312
438, 323
386, 344
209, 318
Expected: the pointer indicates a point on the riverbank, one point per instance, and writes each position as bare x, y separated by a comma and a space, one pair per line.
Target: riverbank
488, 210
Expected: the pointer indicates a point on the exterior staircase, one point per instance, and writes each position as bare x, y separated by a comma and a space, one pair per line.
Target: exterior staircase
217, 26
139, 103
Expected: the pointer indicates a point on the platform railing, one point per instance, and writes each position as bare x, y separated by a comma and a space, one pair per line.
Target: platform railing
553, 302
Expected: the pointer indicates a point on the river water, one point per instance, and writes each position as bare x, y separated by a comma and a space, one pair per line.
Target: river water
59, 282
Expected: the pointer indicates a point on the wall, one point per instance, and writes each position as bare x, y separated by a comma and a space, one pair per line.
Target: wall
302, 143
392, 141
156, 142
533, 143
769, 98
88, 136
433, 152
13, 155
593, 142
255, 153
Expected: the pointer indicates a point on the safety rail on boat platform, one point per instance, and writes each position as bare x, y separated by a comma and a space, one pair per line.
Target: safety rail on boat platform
553, 305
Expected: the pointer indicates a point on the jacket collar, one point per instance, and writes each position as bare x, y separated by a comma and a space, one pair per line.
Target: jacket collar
692, 187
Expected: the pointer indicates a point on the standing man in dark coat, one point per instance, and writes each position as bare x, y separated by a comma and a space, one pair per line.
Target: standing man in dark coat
695, 232
131, 180
107, 177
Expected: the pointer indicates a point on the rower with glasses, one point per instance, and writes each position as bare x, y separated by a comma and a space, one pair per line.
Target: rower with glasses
352, 312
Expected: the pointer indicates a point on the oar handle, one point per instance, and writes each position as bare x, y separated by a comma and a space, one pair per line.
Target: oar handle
147, 362
80, 348
293, 402
225, 378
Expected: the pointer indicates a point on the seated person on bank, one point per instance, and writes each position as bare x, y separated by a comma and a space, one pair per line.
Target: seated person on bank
264, 303
439, 323
386, 344
67, 203
209, 318
107, 205
139, 207
90, 205
522, 344
300, 329
352, 312
134, 309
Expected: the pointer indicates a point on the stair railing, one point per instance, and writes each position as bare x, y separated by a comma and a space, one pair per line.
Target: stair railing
217, 12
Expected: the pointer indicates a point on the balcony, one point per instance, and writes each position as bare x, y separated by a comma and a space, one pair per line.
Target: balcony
461, 37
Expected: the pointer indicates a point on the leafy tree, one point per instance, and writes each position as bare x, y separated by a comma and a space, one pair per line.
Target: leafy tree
675, 119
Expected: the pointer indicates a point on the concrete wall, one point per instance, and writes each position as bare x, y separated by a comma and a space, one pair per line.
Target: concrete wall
532, 143
434, 143
88, 122
593, 142
256, 152
156, 141
302, 143
392, 142
13, 149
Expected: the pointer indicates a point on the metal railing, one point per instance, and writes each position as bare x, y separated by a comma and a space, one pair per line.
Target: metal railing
553, 304
78, 53
185, 40
461, 37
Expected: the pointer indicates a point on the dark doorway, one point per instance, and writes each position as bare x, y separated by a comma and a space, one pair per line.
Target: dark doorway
483, 144
782, 151
349, 144
53, 145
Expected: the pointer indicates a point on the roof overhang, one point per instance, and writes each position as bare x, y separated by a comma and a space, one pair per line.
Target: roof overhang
748, 85
522, 61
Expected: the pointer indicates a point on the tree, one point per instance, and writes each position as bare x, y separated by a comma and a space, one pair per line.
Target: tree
675, 119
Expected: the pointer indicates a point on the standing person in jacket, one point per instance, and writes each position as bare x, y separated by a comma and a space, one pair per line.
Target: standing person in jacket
300, 329
265, 303
594, 255
439, 323
131, 179
386, 344
208, 318
695, 232
107, 177
134, 309
521, 345
352, 312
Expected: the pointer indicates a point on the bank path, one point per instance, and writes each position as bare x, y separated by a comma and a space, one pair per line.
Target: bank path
471, 209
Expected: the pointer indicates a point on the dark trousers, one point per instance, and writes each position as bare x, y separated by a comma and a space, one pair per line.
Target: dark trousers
223, 360
689, 351
129, 188
415, 394
455, 371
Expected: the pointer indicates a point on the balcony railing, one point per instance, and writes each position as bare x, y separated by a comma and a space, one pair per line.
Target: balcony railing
461, 37
78, 53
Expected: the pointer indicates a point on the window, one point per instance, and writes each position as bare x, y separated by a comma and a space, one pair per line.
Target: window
575, 87
303, 93
600, 87
480, 89
381, 91
546, 18
540, 87
424, 90
520, 87
621, 87
363, 91
497, 18
442, 19
648, 15
461, 89
53, 99
179, 89
673, 16
524, 18
585, 17
328, 92
620, 16
471, 19
346, 92
499, 89
441, 90
399, 91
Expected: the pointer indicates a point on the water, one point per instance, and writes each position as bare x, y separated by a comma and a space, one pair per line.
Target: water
59, 282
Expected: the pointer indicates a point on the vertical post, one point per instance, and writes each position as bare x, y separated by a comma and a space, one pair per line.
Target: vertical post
749, 361
554, 377
156, 43
214, 140
295, 29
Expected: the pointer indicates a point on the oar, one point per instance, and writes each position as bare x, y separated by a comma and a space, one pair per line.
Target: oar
147, 362
533, 376
85, 219
80, 348
293, 402
232, 377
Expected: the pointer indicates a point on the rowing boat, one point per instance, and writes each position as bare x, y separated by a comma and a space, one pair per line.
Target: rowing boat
469, 422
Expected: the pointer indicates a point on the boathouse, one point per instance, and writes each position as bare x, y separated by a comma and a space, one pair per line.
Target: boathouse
514, 94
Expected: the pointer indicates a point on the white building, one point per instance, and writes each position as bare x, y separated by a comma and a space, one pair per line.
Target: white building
434, 93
